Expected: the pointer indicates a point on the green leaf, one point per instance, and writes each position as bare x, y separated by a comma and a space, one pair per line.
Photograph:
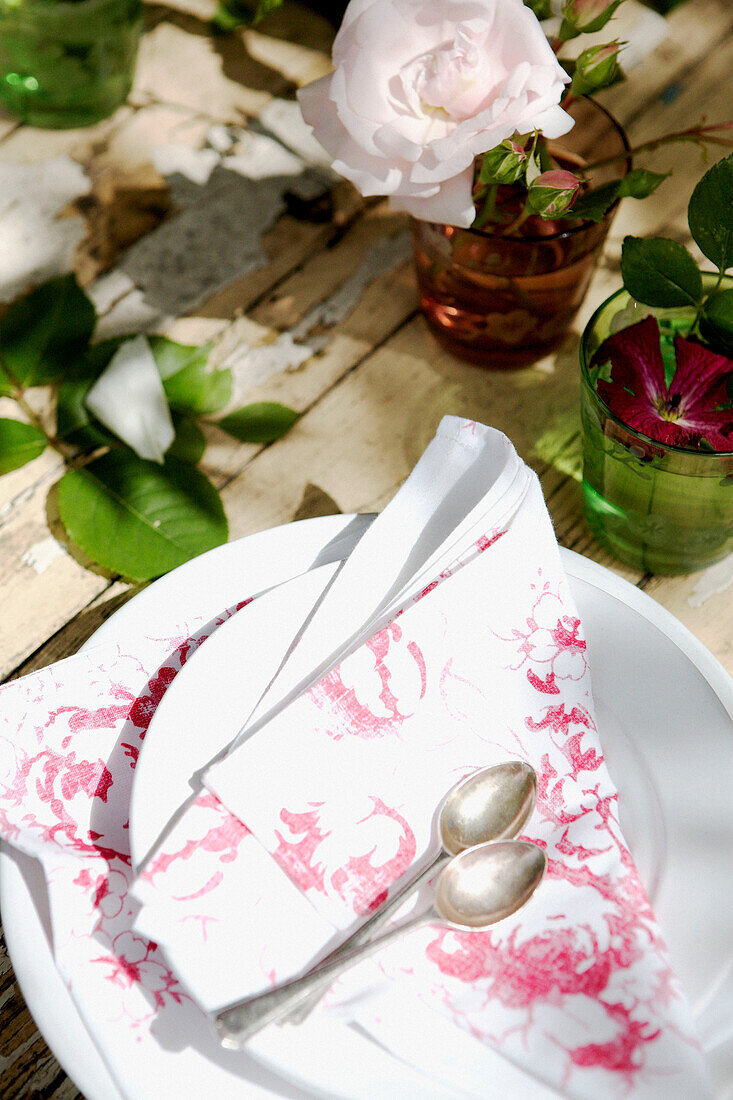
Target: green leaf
189, 443
233, 13
138, 518
541, 8
44, 333
97, 357
716, 323
170, 357
188, 385
660, 272
19, 443
534, 165
710, 214
263, 422
640, 182
264, 7
197, 391
74, 422
593, 205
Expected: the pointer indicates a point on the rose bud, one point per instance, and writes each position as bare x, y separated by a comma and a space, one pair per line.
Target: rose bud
595, 68
553, 193
505, 163
585, 16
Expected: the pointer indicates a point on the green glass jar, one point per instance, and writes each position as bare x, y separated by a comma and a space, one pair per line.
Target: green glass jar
657, 507
67, 63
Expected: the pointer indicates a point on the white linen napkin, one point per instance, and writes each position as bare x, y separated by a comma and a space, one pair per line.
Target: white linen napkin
466, 484
476, 657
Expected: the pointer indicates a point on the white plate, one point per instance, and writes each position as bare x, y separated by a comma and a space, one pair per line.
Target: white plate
664, 708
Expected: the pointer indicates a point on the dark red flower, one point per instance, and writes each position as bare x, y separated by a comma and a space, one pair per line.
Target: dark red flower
683, 413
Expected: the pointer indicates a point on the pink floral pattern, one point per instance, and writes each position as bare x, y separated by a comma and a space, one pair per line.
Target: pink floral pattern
66, 772
578, 986
550, 644
369, 671
362, 878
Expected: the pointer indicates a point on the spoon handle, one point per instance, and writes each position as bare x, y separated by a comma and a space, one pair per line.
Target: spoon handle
240, 1021
365, 932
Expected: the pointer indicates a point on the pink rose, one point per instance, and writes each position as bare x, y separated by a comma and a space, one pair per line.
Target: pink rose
421, 87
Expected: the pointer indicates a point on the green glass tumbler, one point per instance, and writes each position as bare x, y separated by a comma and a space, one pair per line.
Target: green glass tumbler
67, 63
659, 508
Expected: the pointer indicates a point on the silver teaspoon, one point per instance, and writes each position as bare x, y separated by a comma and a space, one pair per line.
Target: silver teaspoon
476, 888
491, 804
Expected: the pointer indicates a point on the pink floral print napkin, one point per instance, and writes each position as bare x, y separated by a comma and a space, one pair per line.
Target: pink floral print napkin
483, 660
340, 787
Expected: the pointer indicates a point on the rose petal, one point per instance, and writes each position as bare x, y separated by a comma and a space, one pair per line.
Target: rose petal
128, 398
452, 205
554, 122
420, 90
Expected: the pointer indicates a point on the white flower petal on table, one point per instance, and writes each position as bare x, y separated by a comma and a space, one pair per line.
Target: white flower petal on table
128, 398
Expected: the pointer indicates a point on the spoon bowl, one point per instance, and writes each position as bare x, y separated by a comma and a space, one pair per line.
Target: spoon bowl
485, 884
491, 804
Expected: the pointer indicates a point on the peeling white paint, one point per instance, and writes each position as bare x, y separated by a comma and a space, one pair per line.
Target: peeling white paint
7, 509
128, 315
284, 119
108, 289
41, 555
219, 138
195, 164
37, 241
259, 157
712, 581
216, 237
252, 367
296, 62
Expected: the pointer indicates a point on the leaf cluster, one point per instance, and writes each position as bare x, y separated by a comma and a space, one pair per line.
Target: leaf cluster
664, 274
133, 517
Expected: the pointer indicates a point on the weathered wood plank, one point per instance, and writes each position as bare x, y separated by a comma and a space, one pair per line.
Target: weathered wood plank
695, 30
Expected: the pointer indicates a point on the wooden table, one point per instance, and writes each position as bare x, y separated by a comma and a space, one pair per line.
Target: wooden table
311, 299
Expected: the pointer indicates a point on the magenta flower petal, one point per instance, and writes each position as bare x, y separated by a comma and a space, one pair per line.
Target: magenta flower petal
643, 417
715, 426
685, 413
636, 359
701, 375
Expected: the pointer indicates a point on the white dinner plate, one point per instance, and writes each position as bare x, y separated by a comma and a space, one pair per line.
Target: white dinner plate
664, 708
